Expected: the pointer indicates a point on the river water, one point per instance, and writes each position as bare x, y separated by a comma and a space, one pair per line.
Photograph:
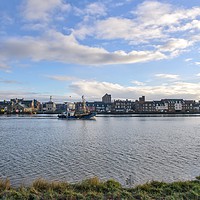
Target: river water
145, 147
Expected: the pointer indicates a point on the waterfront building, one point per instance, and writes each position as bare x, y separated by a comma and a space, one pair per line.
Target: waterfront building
142, 99
61, 107
37, 105
188, 105
70, 106
102, 107
79, 107
160, 106
16, 100
49, 106
28, 103
18, 106
147, 106
95, 106
21, 108
122, 106
4, 106
174, 105
196, 107
138, 105
92, 106
106, 98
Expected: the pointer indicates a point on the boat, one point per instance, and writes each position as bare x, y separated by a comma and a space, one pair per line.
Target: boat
71, 114
90, 115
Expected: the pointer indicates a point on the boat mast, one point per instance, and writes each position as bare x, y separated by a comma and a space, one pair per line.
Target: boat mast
84, 104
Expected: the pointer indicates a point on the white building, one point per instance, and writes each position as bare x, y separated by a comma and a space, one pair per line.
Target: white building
49, 106
161, 106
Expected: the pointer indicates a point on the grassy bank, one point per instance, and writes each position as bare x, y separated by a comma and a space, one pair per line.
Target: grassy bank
95, 189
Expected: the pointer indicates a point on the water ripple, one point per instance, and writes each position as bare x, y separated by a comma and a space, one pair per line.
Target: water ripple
149, 148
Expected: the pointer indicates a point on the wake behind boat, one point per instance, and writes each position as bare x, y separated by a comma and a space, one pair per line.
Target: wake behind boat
71, 114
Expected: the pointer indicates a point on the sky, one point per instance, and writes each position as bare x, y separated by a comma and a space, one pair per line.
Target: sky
126, 48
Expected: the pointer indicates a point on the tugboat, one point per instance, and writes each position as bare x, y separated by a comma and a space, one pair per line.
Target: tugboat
71, 114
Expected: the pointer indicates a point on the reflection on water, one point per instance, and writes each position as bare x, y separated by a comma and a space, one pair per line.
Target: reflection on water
148, 148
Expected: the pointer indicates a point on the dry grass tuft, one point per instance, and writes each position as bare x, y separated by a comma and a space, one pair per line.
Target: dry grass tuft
5, 184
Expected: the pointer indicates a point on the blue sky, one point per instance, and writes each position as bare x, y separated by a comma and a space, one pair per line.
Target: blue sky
128, 48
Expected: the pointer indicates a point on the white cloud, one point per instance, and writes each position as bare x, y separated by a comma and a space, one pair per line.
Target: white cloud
35, 26
167, 76
82, 32
152, 12
152, 20
41, 10
5, 19
175, 44
141, 28
95, 89
61, 78
157, 13
188, 59
5, 68
195, 38
119, 28
43, 97
193, 25
198, 74
55, 46
138, 83
5, 81
96, 8
197, 63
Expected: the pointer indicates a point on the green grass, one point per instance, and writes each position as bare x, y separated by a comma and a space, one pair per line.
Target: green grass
94, 189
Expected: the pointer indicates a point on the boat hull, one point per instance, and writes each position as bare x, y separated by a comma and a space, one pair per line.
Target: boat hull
86, 116
63, 116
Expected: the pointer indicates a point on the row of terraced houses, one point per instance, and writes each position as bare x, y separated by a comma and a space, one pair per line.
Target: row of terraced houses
106, 105
143, 106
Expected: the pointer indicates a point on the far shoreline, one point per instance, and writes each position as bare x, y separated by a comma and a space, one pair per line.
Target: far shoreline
145, 114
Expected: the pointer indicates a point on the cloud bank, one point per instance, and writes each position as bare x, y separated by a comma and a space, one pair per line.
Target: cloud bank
178, 89
151, 21
55, 46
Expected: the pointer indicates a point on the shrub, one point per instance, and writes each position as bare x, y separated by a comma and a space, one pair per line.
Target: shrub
43, 185
92, 184
94, 196
198, 178
94, 189
112, 186
4, 185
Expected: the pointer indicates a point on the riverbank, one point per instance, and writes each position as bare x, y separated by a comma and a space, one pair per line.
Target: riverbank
148, 113
111, 113
95, 189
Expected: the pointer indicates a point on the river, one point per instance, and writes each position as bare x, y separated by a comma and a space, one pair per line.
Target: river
163, 148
